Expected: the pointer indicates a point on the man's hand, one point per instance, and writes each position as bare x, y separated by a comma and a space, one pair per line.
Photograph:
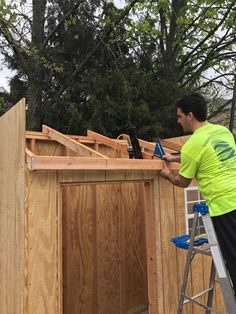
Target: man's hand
175, 179
173, 158
165, 172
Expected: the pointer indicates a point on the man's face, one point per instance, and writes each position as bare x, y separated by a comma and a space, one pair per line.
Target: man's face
184, 120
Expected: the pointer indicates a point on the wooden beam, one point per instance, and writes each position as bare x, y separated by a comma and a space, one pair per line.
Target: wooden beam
29, 152
72, 144
93, 163
113, 143
43, 136
151, 146
147, 145
171, 145
29, 157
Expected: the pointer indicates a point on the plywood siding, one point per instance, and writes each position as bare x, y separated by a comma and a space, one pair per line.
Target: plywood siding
104, 261
12, 142
42, 265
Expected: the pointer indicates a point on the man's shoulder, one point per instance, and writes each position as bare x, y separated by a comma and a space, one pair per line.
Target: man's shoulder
216, 127
190, 145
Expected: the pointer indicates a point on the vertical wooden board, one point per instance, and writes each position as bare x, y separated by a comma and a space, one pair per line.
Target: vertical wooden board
153, 245
181, 254
12, 129
42, 256
206, 273
108, 279
133, 278
218, 301
197, 276
79, 249
157, 231
169, 259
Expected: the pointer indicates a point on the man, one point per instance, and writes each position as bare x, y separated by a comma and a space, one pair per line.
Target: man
209, 155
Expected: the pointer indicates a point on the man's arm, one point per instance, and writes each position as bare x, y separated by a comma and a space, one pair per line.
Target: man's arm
169, 157
175, 179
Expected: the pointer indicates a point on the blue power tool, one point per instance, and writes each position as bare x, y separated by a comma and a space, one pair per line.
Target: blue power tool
159, 151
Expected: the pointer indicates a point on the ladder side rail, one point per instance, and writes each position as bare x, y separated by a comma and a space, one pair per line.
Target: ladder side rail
211, 287
226, 287
189, 257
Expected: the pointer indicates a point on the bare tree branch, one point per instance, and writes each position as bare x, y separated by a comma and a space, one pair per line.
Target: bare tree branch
186, 58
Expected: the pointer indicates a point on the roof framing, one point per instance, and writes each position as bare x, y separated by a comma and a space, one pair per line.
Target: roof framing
72, 144
89, 159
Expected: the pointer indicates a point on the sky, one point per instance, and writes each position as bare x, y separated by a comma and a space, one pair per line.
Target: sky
6, 74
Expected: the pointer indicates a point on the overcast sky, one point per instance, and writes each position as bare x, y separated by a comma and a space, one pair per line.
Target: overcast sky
5, 76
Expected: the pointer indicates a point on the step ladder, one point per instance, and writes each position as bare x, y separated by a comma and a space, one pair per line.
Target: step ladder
218, 265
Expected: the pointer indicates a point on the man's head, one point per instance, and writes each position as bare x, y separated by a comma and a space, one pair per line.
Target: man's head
191, 109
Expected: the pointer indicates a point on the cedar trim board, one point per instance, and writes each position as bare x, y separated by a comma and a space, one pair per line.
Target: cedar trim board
72, 144
92, 163
115, 144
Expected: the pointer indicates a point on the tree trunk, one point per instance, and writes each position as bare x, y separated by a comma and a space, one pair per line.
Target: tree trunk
35, 112
35, 75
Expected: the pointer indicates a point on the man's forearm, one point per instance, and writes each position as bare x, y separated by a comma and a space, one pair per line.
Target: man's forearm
172, 158
177, 180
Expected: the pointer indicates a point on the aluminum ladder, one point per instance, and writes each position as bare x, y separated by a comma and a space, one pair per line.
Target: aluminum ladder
218, 266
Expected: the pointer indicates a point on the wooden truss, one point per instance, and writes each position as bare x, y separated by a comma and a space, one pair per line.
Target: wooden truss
84, 152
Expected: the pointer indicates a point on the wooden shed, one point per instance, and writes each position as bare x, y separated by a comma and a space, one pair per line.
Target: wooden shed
86, 230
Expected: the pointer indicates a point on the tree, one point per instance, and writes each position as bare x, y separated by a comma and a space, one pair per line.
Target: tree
35, 58
73, 54
177, 42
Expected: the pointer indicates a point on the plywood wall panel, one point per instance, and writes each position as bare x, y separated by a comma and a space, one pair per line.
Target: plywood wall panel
49, 148
95, 176
134, 273
12, 128
107, 249
168, 230
42, 243
79, 249
104, 260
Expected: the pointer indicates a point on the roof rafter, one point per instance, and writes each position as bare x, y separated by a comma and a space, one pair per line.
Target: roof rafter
171, 145
115, 144
72, 144
41, 136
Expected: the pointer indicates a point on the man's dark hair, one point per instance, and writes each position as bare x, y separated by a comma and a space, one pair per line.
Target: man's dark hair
194, 103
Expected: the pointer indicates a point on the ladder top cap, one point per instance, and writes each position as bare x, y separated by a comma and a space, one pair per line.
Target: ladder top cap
201, 209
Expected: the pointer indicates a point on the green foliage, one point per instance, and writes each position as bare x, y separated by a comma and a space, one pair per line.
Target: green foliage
93, 72
5, 104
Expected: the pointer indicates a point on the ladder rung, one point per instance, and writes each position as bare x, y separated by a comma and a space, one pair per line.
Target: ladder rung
189, 299
218, 267
205, 306
202, 251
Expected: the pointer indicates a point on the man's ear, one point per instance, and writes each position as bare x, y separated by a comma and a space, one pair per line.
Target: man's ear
191, 116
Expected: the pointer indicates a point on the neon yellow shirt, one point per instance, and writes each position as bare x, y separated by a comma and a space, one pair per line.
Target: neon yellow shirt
210, 156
